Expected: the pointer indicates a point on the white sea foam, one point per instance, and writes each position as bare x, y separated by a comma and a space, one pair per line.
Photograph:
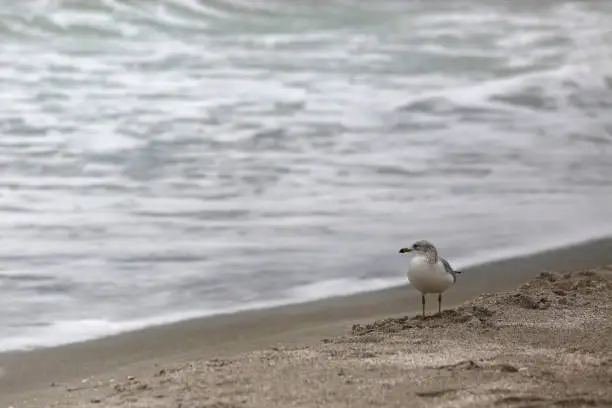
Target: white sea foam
199, 157
73, 331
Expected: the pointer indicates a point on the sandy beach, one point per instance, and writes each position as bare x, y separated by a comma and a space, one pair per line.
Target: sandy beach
530, 331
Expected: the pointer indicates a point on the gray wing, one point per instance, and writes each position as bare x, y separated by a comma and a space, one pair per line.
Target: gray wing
449, 269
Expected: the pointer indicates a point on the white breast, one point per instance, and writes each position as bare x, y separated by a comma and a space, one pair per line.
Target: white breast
428, 278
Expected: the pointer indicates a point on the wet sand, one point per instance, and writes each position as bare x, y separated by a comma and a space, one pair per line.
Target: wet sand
548, 343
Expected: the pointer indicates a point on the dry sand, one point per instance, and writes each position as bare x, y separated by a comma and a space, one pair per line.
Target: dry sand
546, 343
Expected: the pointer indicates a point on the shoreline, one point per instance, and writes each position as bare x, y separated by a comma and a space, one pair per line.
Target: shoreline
24, 374
523, 252
499, 256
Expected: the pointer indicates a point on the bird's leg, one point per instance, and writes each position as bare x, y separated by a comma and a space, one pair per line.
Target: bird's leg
423, 303
439, 302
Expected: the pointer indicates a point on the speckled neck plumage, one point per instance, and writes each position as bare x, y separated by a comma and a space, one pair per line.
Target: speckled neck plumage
432, 256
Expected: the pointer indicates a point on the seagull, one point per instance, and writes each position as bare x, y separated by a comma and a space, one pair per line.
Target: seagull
428, 272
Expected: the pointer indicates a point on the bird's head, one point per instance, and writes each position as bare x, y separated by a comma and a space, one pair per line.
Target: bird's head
420, 247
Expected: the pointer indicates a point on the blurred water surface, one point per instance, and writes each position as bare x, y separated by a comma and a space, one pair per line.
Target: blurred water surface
175, 158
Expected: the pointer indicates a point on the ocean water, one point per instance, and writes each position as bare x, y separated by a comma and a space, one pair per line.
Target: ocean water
167, 159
